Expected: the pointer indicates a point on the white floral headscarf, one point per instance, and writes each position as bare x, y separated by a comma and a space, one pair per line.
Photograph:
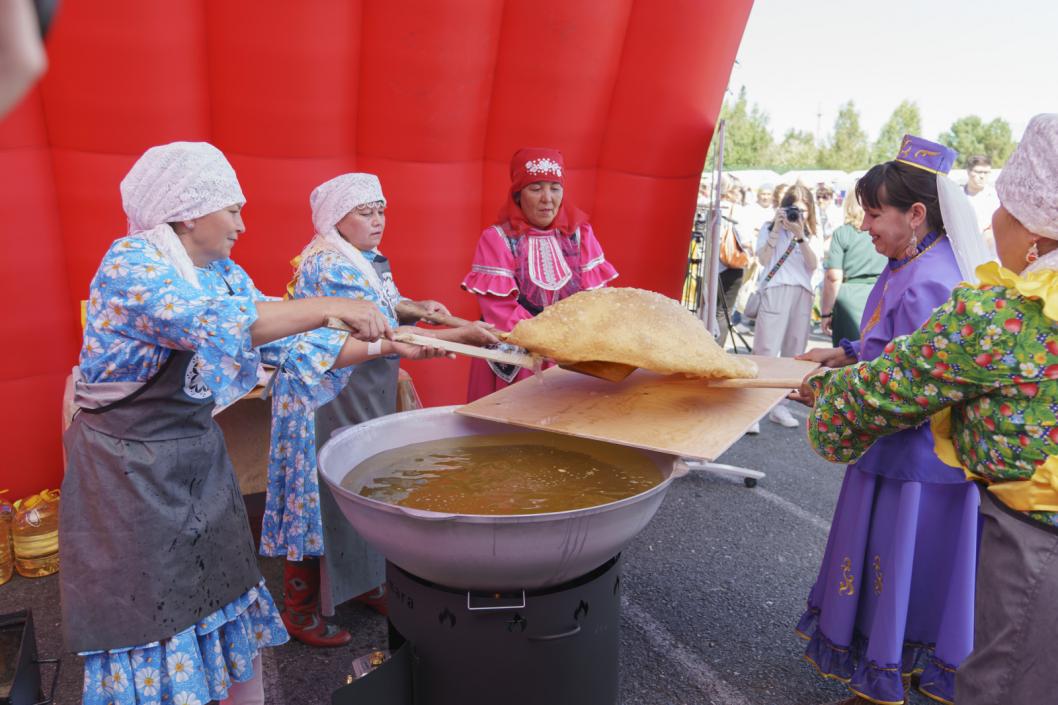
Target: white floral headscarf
333, 200
175, 182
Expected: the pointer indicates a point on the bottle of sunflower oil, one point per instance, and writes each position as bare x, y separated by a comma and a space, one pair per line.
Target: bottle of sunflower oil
36, 534
7, 559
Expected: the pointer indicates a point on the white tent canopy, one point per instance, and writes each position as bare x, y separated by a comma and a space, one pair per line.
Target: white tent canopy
755, 178
835, 178
814, 177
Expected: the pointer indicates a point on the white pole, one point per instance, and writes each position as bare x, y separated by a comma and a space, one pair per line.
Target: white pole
711, 268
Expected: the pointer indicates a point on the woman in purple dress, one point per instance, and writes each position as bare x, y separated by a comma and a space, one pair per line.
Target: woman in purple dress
895, 592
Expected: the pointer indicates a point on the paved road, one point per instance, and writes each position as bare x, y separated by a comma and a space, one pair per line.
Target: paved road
713, 588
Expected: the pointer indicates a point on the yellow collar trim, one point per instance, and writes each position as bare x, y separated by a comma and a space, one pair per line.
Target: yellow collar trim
1037, 494
1042, 285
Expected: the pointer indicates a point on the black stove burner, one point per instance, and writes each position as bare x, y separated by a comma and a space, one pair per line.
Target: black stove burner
19, 665
556, 645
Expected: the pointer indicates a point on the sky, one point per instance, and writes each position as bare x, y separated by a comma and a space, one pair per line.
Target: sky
800, 60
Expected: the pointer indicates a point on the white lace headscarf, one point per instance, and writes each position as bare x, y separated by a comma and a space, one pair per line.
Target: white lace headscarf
1028, 184
333, 200
175, 182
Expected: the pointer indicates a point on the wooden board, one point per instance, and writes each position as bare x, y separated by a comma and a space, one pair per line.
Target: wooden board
664, 413
246, 425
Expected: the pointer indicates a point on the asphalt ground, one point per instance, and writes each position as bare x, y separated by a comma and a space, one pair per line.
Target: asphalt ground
713, 588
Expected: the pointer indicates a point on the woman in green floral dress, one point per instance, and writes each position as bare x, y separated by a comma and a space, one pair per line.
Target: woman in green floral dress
984, 370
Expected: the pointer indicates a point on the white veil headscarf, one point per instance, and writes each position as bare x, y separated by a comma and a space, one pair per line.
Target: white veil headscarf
1028, 184
175, 182
330, 202
960, 223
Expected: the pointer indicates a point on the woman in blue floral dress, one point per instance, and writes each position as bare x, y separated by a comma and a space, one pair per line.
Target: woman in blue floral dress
984, 371
160, 588
314, 394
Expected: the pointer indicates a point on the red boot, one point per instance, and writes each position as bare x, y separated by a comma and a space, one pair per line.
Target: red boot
301, 600
375, 599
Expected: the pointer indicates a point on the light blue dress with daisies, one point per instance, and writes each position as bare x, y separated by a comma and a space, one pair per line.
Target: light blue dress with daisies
293, 526
139, 309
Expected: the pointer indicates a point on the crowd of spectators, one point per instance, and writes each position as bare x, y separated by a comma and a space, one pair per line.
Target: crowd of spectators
823, 279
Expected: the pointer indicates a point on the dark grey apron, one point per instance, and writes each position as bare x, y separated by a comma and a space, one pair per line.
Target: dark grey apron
152, 528
1016, 611
349, 565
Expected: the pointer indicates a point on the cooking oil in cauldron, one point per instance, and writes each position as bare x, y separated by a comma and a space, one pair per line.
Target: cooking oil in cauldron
508, 473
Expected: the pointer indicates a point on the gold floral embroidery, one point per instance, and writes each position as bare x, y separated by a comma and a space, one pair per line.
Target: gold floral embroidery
878, 575
848, 583
876, 316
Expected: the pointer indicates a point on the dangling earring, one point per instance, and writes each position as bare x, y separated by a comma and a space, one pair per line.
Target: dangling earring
1033, 254
912, 245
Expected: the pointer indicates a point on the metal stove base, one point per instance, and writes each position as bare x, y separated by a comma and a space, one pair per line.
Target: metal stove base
557, 646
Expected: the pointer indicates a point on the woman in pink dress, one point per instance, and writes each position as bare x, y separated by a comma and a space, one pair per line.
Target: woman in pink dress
541, 250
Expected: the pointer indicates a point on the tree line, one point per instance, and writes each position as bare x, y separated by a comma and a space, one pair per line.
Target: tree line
749, 143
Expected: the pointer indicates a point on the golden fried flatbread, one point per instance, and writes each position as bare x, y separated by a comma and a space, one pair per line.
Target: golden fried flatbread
632, 327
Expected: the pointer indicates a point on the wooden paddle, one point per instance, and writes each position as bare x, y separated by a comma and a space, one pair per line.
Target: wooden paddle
618, 371
504, 358
757, 383
609, 371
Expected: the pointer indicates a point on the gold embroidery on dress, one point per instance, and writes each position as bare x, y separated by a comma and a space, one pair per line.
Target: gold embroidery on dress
876, 316
848, 583
878, 575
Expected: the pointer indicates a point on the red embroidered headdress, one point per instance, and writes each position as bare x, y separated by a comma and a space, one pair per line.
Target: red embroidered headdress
529, 165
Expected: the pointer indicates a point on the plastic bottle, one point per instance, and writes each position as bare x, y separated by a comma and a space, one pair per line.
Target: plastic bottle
36, 534
407, 397
7, 558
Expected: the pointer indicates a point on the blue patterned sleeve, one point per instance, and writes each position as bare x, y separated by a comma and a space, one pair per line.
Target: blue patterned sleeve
138, 297
307, 358
304, 381
242, 285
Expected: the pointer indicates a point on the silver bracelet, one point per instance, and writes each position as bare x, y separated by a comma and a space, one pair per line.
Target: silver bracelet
375, 347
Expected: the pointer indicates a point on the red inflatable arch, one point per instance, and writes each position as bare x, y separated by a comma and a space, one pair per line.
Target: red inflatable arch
432, 95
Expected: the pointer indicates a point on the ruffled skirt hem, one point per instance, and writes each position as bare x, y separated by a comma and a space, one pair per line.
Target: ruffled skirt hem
192, 667
895, 590
879, 683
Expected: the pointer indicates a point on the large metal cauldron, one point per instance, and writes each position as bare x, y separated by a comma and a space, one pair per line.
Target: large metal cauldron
476, 552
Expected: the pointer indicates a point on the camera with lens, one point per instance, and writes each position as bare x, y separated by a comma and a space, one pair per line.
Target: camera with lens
792, 214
